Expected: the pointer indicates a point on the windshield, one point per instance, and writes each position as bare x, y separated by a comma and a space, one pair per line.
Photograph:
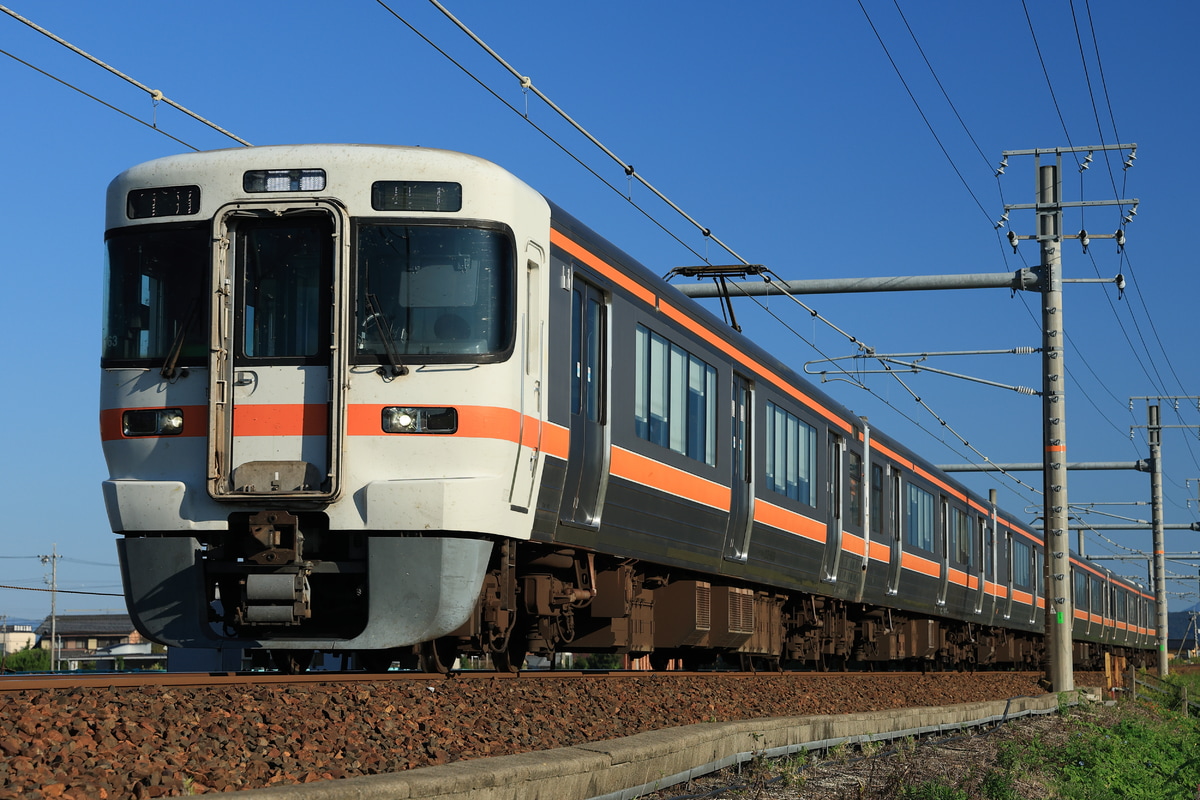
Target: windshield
433, 294
154, 291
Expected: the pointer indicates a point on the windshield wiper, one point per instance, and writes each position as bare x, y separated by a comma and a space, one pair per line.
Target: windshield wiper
168, 370
394, 368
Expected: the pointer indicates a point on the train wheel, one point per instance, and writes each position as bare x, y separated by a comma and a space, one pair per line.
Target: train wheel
439, 655
512, 657
292, 662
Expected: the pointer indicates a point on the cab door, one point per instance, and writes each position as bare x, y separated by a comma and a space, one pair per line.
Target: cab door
275, 412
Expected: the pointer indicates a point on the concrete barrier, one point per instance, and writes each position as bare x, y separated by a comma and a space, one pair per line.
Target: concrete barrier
621, 769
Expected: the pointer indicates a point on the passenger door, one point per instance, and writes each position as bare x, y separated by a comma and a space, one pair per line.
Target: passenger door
896, 506
833, 486
741, 499
587, 460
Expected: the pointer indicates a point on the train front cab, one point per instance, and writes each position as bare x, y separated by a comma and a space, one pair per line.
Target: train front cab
320, 391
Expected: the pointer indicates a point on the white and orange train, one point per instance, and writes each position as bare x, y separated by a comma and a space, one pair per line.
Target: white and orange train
390, 400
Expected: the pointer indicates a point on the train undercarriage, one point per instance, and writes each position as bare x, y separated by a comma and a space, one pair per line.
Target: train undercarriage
540, 599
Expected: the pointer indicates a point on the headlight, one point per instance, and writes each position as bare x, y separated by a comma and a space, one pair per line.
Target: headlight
152, 422
401, 419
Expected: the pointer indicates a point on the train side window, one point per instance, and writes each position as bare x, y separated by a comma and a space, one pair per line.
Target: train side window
897, 499
876, 498
1097, 595
854, 498
791, 455
921, 519
961, 535
985, 541
1021, 564
675, 402
1081, 594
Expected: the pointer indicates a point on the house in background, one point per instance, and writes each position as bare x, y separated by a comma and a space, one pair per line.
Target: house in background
101, 642
16, 637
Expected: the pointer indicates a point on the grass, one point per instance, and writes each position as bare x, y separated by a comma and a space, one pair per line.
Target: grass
1141, 749
1144, 749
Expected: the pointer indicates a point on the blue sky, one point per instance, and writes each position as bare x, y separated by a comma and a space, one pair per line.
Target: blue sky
782, 127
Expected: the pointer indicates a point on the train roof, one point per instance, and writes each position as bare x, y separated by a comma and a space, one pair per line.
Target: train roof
350, 171
606, 250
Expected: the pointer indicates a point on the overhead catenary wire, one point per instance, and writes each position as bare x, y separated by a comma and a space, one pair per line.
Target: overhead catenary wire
921, 111
527, 84
155, 94
98, 100
624, 165
566, 151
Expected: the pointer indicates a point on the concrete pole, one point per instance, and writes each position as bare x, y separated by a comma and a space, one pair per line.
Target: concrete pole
1060, 617
1154, 428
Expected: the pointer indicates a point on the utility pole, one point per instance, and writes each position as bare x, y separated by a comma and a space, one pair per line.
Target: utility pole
52, 559
1154, 429
1159, 545
1060, 616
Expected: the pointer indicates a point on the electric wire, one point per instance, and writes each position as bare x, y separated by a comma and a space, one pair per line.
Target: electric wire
940, 86
921, 112
549, 137
1046, 72
60, 591
154, 128
527, 84
155, 94
887, 367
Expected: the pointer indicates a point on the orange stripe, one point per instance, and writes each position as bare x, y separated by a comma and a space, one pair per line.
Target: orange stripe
695, 327
640, 469
924, 566
556, 440
616, 276
854, 545
789, 521
647, 296
281, 419
474, 422
195, 422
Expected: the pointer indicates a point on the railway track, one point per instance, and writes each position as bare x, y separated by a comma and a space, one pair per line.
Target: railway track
24, 682
201, 732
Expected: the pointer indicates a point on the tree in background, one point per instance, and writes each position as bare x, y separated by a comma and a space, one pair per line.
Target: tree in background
27, 660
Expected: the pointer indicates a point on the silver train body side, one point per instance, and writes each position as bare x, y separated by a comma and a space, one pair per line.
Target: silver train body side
360, 398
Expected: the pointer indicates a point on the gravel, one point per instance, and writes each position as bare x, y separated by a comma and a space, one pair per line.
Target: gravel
167, 741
